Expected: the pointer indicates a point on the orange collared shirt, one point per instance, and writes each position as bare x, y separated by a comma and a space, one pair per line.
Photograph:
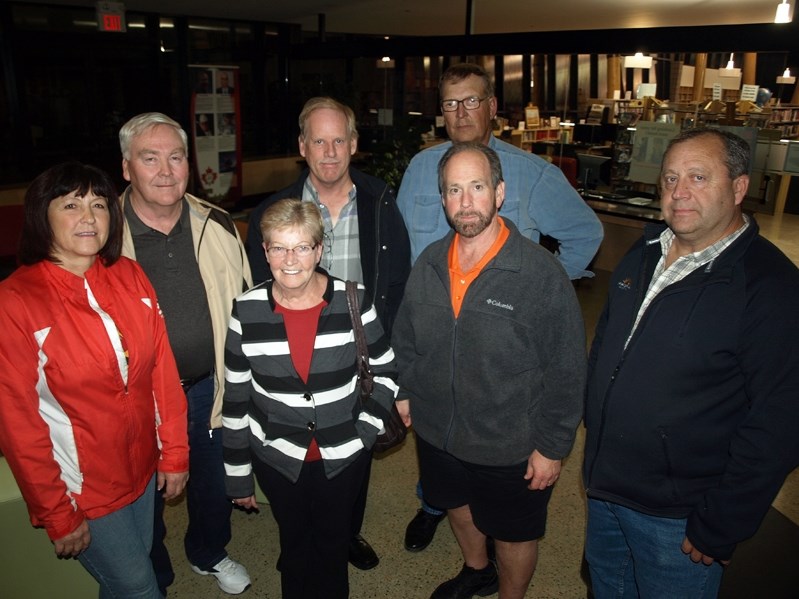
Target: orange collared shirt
459, 281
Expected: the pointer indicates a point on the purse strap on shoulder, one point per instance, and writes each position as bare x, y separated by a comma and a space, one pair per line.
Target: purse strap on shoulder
357, 326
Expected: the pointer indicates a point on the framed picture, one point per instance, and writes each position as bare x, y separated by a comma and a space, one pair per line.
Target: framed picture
531, 117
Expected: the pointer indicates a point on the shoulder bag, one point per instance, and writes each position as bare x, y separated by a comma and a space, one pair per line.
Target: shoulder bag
394, 429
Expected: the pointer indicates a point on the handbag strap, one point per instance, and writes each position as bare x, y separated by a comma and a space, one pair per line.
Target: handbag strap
357, 327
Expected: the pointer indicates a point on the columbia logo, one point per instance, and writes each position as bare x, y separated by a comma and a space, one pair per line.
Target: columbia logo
498, 304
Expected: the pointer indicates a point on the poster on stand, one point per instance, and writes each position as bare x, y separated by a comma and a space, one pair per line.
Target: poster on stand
216, 131
651, 140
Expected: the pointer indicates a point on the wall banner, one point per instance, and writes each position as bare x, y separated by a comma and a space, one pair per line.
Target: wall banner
216, 131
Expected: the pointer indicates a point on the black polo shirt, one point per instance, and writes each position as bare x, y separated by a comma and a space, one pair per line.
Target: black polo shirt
171, 266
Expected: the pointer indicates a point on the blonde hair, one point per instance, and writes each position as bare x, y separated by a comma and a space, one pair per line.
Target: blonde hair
325, 102
290, 213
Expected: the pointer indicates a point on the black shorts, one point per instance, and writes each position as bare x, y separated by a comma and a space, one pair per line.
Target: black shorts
501, 504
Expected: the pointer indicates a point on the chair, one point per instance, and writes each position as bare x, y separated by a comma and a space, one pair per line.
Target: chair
10, 228
569, 168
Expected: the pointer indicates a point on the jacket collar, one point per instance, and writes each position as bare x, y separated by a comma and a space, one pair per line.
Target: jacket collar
728, 257
509, 256
72, 283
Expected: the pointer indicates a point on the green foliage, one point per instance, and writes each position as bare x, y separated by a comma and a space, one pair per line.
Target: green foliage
390, 157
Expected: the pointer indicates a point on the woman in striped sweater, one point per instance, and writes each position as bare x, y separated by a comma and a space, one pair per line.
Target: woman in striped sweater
292, 414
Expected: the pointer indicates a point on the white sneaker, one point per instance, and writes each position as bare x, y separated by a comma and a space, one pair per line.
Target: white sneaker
231, 576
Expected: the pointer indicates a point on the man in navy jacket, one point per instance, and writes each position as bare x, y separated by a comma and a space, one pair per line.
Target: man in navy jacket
692, 399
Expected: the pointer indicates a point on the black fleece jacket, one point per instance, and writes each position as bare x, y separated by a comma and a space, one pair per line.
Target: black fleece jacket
697, 418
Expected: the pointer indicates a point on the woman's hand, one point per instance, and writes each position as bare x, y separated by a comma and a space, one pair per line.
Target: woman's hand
404, 410
75, 542
248, 503
171, 483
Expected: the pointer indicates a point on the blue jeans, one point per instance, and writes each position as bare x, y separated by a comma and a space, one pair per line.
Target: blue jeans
207, 502
426, 506
208, 506
632, 555
118, 554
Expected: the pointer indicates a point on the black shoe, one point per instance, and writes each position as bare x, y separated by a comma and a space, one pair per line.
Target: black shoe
468, 583
421, 529
362, 556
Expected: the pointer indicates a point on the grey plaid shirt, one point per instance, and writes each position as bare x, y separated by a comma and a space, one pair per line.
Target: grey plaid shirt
341, 256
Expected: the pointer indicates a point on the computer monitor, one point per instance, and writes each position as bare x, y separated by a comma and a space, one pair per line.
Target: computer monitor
593, 171
594, 135
588, 135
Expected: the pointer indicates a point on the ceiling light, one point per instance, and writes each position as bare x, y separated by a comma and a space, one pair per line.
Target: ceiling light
639, 61
783, 12
730, 70
786, 78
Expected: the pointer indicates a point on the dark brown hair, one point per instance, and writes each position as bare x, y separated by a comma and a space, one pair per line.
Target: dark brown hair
36, 242
463, 70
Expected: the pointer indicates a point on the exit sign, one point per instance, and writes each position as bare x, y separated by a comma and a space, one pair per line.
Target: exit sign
111, 16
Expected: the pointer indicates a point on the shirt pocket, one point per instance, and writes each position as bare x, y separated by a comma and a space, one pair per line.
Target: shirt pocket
428, 212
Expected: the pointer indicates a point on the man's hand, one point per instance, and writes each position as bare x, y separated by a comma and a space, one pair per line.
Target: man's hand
171, 483
697, 556
404, 409
541, 472
75, 542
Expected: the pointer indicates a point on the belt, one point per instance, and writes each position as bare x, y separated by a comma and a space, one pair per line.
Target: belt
189, 383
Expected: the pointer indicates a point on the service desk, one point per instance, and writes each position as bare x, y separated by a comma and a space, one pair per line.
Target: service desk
623, 220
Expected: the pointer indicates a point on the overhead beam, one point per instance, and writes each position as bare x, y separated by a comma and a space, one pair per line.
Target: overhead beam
766, 37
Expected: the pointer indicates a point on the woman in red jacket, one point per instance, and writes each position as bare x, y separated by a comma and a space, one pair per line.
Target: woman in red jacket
92, 414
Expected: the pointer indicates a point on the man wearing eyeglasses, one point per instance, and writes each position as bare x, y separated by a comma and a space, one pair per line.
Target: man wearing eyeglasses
365, 236
538, 200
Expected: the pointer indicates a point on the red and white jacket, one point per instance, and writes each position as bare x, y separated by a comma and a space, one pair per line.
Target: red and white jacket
84, 427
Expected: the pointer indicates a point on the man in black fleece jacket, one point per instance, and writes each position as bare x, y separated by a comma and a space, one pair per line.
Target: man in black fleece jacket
692, 400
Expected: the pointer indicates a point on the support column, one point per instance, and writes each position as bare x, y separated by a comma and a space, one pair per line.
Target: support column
614, 74
699, 77
749, 75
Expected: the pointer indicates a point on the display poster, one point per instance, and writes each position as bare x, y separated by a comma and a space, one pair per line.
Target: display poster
749, 92
216, 132
792, 158
651, 140
531, 117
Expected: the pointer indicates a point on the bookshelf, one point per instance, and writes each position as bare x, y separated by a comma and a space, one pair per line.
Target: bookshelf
525, 138
785, 118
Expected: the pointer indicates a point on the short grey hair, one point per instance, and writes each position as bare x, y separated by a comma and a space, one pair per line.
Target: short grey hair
737, 152
141, 123
471, 146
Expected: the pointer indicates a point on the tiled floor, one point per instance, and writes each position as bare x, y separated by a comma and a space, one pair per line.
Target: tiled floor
392, 503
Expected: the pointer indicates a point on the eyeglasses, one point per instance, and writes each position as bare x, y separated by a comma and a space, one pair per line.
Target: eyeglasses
470, 103
300, 251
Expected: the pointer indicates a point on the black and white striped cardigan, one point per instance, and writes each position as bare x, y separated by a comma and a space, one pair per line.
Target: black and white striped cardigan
269, 414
